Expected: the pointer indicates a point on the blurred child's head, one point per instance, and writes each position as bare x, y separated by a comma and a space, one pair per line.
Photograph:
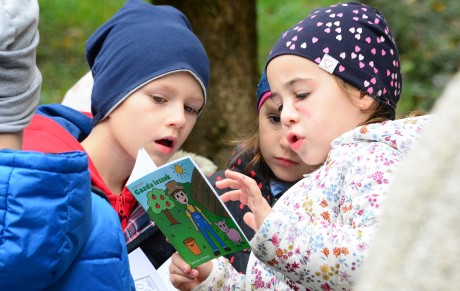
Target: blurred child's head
20, 79
353, 42
140, 43
332, 71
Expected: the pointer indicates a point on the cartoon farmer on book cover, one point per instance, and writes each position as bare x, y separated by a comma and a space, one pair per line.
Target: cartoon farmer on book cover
196, 216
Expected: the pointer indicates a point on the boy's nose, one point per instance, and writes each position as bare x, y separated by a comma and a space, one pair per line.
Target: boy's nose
177, 117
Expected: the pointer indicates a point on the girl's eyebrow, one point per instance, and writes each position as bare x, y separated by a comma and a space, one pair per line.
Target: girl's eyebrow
298, 79
270, 106
273, 95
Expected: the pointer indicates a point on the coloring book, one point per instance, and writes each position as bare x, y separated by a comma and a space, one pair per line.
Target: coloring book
180, 200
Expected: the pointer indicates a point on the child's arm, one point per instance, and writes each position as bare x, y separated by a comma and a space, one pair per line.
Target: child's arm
46, 219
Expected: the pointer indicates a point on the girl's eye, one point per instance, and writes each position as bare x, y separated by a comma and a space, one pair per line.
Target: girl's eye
302, 95
158, 99
190, 109
275, 119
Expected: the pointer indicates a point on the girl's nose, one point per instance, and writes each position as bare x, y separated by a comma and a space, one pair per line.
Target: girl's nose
288, 115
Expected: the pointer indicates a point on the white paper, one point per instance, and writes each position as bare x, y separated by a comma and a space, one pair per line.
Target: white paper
163, 270
146, 277
143, 165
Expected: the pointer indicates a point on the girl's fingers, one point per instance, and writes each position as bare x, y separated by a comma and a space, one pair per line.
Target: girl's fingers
232, 174
250, 221
182, 277
178, 265
228, 183
234, 195
180, 282
247, 192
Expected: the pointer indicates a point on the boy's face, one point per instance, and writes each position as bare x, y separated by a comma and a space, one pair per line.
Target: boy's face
285, 164
159, 117
315, 109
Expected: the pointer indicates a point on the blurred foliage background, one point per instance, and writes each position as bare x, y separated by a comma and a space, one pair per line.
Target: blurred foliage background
64, 27
426, 33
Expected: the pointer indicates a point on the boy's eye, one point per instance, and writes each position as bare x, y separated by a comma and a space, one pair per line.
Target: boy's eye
190, 109
158, 99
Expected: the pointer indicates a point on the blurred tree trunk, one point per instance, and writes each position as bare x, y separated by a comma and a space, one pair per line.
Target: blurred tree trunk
228, 32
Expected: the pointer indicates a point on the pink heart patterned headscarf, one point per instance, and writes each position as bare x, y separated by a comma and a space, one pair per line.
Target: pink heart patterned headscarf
352, 41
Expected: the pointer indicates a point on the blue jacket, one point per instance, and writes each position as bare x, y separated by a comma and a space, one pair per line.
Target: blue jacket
55, 233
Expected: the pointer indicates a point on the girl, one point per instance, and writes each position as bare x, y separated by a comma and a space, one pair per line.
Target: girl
335, 77
150, 84
266, 157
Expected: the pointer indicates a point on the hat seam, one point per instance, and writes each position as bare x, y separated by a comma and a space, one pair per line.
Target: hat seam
152, 79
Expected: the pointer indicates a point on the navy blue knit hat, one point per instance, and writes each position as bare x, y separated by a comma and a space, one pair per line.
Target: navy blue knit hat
263, 90
140, 43
352, 41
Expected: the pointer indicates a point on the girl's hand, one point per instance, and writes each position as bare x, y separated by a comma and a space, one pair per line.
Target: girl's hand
183, 277
248, 193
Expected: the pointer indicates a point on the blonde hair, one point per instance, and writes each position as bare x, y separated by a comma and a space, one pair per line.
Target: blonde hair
248, 146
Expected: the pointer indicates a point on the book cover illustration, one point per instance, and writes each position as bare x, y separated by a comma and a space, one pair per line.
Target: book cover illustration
179, 199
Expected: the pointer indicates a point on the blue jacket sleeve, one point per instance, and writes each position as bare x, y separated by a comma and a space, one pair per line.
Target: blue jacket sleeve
45, 216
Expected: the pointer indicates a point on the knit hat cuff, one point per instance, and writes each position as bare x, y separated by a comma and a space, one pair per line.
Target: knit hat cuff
264, 98
203, 87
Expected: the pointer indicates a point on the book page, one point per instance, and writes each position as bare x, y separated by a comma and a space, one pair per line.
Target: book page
143, 166
146, 277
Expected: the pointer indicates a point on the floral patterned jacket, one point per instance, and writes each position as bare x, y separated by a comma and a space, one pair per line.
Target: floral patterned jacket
318, 233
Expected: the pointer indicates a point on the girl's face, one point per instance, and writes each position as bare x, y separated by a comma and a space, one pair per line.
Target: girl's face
315, 110
159, 117
285, 164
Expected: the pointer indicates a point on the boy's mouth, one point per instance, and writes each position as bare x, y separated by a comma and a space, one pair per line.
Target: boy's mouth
165, 142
